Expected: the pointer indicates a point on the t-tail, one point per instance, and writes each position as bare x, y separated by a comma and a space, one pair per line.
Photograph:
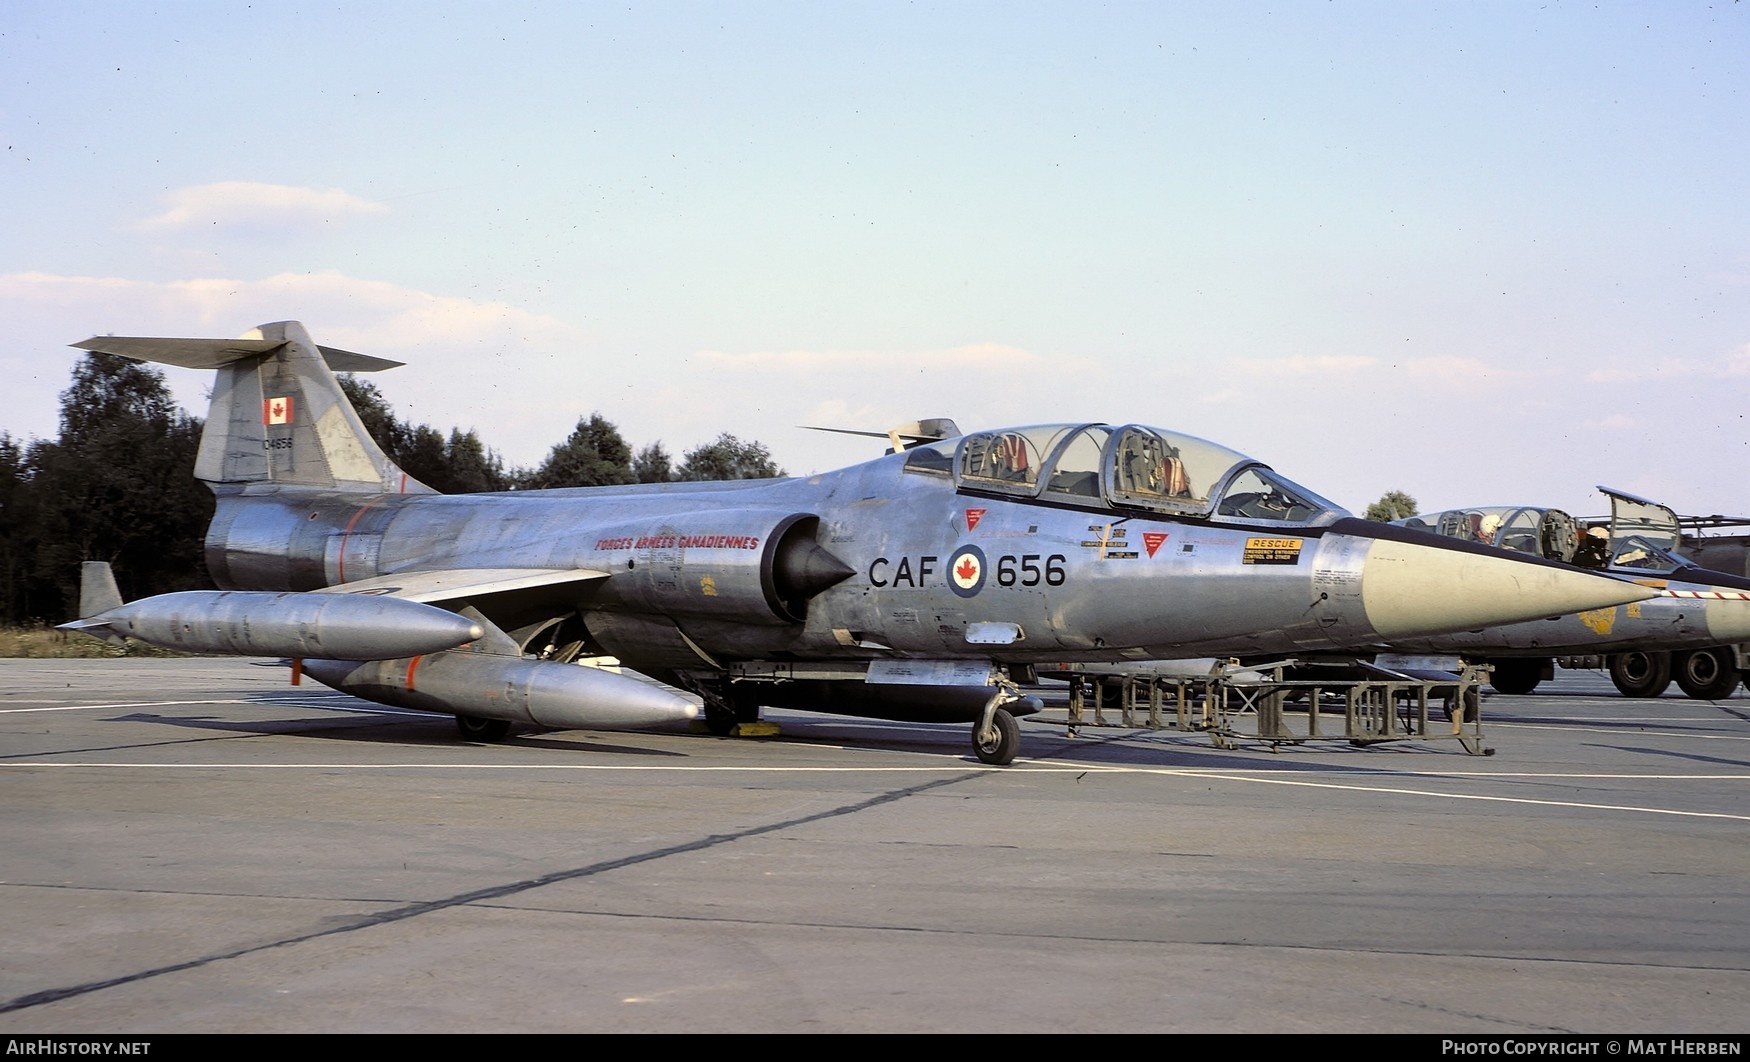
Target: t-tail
278, 415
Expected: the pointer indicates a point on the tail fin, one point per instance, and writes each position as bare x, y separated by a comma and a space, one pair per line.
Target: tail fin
97, 590
98, 594
278, 415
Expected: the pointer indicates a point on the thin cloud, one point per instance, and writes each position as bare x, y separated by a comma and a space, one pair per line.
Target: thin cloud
973, 355
344, 309
1460, 371
1738, 361
49, 289
1304, 365
244, 203
1732, 363
1667, 369
482, 363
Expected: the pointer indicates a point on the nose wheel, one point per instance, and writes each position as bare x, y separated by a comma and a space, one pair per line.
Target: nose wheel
996, 738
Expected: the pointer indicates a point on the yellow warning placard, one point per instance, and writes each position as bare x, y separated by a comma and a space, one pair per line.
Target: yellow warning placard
1272, 551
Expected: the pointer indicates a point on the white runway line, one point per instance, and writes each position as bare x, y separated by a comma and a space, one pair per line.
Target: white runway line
125, 704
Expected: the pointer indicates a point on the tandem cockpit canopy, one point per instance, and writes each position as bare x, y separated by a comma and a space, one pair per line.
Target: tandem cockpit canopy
1641, 535
1547, 533
1130, 467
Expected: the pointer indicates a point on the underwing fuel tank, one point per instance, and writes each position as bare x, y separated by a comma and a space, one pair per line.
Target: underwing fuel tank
542, 692
256, 623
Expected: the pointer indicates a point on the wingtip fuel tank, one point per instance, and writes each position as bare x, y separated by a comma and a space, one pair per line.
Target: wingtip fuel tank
248, 623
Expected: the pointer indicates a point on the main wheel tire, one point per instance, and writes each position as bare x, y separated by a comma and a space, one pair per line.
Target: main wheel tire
719, 719
474, 728
722, 716
1516, 676
1641, 674
1004, 744
1706, 674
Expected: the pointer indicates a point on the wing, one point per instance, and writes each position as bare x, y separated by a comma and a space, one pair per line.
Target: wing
511, 598
472, 585
519, 602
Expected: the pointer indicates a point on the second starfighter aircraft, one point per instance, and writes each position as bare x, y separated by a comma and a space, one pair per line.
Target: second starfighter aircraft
1690, 631
916, 586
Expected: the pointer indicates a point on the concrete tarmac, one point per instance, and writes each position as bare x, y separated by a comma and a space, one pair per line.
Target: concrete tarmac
196, 846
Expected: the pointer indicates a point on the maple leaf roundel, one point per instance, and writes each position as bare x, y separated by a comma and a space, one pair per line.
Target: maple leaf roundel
966, 571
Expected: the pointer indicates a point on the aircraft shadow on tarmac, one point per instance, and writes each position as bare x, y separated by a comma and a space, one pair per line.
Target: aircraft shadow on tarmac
357, 721
1640, 723
1692, 757
365, 728
1107, 746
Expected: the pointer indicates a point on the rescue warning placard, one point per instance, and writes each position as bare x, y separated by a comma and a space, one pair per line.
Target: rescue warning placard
1272, 551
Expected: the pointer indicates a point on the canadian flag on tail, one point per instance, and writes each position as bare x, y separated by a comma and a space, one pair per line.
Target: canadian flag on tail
276, 410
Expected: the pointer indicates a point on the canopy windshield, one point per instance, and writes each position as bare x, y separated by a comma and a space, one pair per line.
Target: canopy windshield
1642, 533
1133, 467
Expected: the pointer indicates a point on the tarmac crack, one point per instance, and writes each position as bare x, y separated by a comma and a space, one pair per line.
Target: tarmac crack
494, 892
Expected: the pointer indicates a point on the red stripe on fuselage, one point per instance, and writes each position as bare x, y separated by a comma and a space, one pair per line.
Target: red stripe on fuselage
340, 565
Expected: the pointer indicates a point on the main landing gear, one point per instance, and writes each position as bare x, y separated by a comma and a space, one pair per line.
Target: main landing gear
722, 717
474, 728
1513, 675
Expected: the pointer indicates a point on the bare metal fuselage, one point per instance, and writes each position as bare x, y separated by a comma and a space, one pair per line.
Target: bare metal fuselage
903, 586
696, 560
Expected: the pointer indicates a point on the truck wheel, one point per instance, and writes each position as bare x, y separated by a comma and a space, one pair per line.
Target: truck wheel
1706, 674
1641, 674
1516, 676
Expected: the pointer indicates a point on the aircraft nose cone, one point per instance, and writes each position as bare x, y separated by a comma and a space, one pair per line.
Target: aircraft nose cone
1414, 584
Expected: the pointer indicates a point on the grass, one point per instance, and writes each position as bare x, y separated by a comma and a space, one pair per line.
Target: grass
49, 643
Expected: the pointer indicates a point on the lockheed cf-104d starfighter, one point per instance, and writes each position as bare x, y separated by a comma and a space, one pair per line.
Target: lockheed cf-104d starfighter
921, 585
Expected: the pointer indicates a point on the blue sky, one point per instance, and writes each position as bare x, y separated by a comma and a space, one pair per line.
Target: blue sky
1486, 253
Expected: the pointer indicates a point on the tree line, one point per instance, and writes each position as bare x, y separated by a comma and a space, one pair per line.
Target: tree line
117, 482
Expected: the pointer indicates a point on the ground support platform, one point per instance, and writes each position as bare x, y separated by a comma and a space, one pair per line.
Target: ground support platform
1291, 702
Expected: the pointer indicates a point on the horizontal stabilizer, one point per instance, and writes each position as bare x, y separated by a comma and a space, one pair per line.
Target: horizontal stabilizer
97, 627
217, 353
